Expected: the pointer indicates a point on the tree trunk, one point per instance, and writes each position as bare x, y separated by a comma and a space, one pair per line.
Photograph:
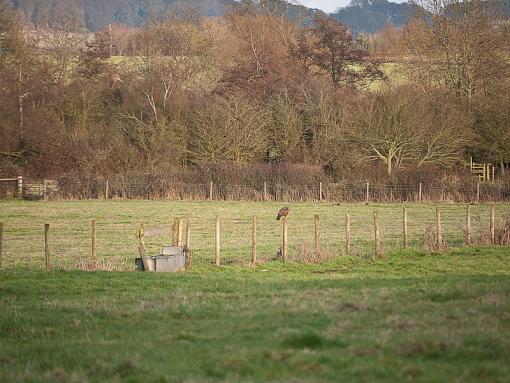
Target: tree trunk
21, 121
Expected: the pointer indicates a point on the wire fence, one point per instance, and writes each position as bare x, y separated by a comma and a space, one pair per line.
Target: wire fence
161, 189
9, 188
310, 238
334, 192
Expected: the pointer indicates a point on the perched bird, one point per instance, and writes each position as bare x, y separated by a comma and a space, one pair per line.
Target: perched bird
284, 211
114, 79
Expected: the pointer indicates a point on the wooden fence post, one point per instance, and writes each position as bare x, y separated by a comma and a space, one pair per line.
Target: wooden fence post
179, 231
19, 184
468, 225
141, 248
367, 197
478, 192
47, 246
1, 244
320, 191
439, 229
45, 189
93, 244
210, 190
420, 193
106, 189
377, 236
493, 225
254, 241
189, 252
285, 240
265, 190
347, 234
317, 235
404, 219
175, 230
218, 245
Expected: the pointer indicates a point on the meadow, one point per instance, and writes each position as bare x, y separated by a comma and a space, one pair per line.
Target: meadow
117, 223
411, 315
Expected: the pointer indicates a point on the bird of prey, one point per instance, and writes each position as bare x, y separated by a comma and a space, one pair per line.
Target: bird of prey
114, 79
284, 211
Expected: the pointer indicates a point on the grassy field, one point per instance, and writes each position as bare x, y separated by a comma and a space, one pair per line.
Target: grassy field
409, 317
118, 221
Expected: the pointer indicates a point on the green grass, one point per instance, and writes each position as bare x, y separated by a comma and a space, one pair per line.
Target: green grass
412, 316
118, 221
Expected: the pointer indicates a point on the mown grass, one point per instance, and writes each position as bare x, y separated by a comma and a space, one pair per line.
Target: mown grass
413, 316
117, 223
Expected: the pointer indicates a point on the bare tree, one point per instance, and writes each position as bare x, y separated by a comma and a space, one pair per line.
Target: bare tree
26, 84
261, 64
403, 127
453, 44
228, 129
63, 44
492, 126
323, 110
329, 47
286, 129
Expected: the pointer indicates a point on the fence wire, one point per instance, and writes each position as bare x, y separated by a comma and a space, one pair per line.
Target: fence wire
163, 189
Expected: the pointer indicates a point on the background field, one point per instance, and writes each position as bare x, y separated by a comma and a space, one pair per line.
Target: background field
117, 223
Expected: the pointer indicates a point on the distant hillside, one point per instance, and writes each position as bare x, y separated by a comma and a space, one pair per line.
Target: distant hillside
96, 14
372, 15
93, 15
360, 15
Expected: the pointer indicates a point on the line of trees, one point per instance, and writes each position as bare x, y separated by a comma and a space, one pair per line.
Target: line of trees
255, 88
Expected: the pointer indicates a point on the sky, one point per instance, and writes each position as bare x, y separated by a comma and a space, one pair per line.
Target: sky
330, 5
326, 5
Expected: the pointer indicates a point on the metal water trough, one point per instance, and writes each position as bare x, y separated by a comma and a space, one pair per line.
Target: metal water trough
171, 259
